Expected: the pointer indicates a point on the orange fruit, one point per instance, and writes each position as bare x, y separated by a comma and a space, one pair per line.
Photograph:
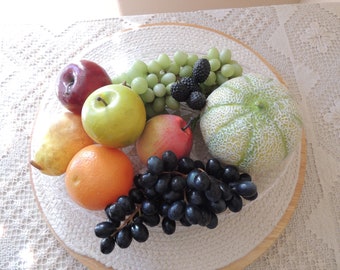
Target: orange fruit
97, 175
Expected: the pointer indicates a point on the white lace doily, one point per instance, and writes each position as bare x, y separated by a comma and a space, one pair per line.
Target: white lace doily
237, 233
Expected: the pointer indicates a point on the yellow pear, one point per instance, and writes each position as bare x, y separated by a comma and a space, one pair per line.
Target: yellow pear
63, 138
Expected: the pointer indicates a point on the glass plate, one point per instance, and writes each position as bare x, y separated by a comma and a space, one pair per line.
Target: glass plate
189, 248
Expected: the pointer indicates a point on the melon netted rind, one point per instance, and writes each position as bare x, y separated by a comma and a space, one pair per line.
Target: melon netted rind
252, 122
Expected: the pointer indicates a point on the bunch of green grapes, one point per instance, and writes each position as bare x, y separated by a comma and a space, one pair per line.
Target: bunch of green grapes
153, 80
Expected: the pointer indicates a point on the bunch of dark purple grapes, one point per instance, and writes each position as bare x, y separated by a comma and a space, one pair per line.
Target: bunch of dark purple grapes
174, 191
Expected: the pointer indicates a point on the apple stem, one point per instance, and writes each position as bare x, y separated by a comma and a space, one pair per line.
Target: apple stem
102, 100
191, 123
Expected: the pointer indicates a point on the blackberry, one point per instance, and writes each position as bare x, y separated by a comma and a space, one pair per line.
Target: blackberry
196, 100
190, 84
201, 70
180, 91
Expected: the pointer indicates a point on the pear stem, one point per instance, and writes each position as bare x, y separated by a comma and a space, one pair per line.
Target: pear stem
36, 165
102, 100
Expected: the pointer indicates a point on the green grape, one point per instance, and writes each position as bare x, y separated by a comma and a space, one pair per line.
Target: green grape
215, 64
148, 96
237, 69
227, 70
206, 90
172, 103
159, 90
152, 80
185, 71
158, 104
168, 89
124, 77
140, 67
132, 75
213, 53
211, 80
220, 78
154, 67
174, 68
164, 60
160, 74
139, 85
117, 79
192, 58
149, 110
225, 56
168, 77
180, 58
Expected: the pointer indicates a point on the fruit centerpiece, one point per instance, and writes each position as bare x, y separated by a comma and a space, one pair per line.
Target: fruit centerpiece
179, 141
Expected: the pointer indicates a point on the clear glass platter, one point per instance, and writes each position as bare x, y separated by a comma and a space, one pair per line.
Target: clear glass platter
237, 235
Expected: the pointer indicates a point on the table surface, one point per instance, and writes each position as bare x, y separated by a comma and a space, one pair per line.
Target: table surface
302, 42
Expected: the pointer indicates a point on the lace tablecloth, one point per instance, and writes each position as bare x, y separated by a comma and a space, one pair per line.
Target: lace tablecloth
302, 42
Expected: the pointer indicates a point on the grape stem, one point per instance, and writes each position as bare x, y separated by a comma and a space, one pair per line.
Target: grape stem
180, 173
128, 219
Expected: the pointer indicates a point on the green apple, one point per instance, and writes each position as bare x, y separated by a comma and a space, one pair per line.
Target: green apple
114, 116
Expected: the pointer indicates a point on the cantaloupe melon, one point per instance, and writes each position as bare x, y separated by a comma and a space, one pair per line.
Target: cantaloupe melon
252, 122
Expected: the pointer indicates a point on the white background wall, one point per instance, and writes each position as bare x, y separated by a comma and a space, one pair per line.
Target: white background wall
67, 11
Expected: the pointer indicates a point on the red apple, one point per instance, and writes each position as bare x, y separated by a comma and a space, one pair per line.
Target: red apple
162, 133
77, 81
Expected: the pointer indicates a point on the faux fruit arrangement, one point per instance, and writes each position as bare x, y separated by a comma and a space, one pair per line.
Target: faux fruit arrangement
249, 124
